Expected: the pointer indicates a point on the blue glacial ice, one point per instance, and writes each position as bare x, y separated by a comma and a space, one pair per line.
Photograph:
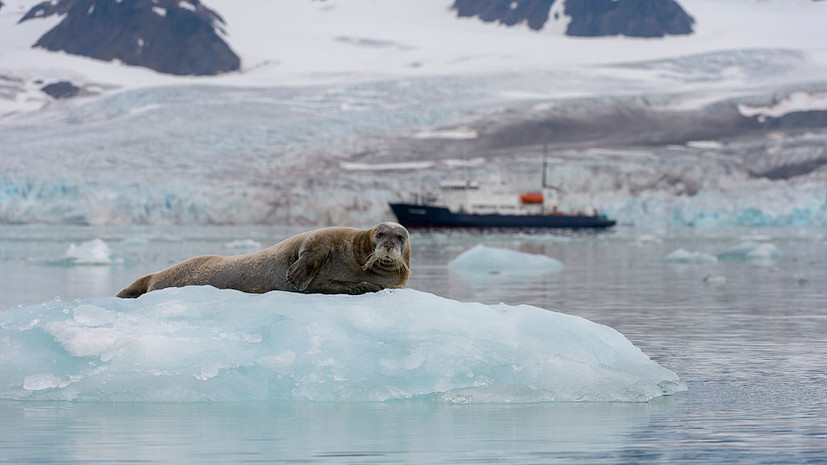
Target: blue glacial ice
200, 344
751, 252
491, 260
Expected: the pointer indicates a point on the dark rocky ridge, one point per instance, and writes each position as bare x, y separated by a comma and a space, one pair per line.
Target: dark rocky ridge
61, 89
533, 12
633, 18
169, 36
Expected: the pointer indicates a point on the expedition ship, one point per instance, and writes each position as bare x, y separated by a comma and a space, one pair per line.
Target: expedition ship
470, 204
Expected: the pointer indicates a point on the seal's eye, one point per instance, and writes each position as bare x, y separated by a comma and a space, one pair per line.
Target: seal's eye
378, 235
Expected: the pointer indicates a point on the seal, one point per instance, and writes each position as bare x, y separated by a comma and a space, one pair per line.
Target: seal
328, 261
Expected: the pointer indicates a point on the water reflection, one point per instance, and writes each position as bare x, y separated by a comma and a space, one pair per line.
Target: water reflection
397, 432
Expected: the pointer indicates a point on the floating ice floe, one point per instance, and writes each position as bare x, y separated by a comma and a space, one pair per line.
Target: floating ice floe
752, 252
715, 280
199, 344
244, 244
94, 252
683, 256
648, 238
490, 260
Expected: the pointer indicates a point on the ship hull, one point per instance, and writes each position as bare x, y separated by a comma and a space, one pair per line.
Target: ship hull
428, 216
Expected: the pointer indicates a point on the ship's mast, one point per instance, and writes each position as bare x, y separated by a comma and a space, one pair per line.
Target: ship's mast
546, 185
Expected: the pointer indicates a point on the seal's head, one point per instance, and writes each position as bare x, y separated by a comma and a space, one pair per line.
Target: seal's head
391, 248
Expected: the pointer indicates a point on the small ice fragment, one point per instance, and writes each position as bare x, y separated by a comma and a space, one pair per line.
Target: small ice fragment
751, 251
42, 381
243, 244
685, 256
94, 252
715, 281
489, 260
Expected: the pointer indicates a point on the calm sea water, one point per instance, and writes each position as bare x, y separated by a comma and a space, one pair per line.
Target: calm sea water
748, 337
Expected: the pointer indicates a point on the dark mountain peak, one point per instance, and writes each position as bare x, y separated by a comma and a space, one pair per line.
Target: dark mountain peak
509, 12
634, 18
170, 36
46, 9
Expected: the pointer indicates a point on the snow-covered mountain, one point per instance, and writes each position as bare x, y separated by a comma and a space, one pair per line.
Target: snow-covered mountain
587, 18
170, 36
340, 106
184, 37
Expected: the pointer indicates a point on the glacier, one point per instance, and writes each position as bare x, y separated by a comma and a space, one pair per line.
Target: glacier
201, 344
337, 153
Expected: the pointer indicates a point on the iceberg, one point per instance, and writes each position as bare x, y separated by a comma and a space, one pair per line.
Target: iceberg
751, 252
94, 252
201, 344
490, 260
683, 256
245, 244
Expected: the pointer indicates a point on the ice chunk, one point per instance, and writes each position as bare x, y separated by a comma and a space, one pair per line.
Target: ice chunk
42, 381
715, 280
245, 244
489, 260
685, 256
94, 252
223, 345
752, 252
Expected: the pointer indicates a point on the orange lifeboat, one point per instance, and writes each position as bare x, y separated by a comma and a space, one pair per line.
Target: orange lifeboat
532, 198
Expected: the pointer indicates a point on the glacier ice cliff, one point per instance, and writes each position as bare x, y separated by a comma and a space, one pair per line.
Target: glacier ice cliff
200, 344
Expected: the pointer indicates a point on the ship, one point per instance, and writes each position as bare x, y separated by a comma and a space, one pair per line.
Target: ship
491, 205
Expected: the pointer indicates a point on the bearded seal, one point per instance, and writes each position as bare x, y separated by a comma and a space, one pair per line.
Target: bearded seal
328, 261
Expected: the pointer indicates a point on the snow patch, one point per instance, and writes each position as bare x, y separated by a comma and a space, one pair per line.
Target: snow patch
456, 134
795, 102
413, 165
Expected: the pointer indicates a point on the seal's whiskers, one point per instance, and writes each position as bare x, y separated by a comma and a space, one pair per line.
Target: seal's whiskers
396, 265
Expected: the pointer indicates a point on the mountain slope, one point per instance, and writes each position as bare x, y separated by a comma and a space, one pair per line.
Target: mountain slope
633, 18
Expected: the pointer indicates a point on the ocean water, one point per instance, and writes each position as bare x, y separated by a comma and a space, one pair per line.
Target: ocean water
740, 316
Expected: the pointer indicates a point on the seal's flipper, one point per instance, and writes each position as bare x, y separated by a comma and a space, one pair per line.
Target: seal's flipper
365, 287
302, 271
136, 289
